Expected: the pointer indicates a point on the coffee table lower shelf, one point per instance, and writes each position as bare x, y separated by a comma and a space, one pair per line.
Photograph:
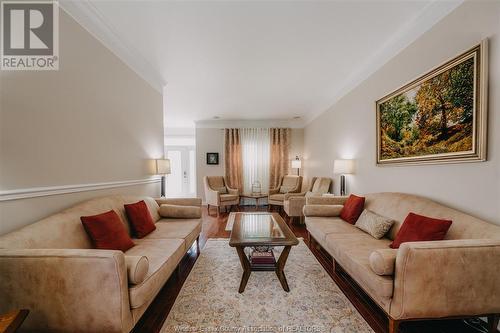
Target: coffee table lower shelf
248, 268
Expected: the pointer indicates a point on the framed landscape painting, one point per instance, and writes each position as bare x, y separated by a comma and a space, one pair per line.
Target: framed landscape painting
440, 117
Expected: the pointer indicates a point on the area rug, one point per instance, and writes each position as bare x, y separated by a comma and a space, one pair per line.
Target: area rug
209, 300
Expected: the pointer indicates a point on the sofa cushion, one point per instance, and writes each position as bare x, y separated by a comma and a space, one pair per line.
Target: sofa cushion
164, 255
353, 207
137, 268
228, 197
188, 230
352, 252
421, 228
319, 227
277, 197
107, 231
140, 218
374, 224
383, 261
176, 211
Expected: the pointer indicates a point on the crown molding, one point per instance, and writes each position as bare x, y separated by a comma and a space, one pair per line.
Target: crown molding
35, 192
431, 14
249, 123
89, 17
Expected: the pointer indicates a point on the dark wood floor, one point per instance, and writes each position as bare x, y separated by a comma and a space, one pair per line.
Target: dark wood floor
214, 227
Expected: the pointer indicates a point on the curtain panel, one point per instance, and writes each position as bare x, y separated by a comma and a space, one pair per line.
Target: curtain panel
278, 165
255, 144
233, 161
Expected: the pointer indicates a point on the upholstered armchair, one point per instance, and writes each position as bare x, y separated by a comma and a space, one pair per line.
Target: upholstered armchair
219, 194
294, 202
288, 184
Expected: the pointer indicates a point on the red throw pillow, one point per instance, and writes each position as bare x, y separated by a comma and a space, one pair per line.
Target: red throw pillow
353, 207
107, 231
417, 228
140, 218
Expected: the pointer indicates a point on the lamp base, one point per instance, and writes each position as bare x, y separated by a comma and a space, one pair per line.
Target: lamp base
342, 185
162, 186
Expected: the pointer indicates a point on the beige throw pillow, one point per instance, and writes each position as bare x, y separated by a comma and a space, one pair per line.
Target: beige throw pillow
183, 212
284, 189
322, 210
137, 268
374, 224
382, 262
221, 190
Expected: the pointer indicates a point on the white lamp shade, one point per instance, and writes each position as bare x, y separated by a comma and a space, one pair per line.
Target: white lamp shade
343, 166
296, 164
162, 166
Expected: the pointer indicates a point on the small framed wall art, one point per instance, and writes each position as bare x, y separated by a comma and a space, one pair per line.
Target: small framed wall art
213, 158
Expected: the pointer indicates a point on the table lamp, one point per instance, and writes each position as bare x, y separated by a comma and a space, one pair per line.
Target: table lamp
162, 169
297, 164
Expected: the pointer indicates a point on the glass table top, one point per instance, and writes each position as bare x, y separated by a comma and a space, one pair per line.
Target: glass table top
260, 226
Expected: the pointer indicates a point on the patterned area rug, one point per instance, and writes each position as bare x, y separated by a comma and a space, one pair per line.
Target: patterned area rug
209, 300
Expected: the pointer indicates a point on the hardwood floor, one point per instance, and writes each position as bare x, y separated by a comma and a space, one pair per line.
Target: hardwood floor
214, 227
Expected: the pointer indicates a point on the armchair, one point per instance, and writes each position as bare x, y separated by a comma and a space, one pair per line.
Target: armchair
294, 202
289, 185
218, 194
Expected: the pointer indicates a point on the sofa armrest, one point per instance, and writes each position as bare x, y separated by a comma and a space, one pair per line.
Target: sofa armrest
233, 191
63, 288
179, 201
322, 210
325, 200
274, 190
291, 195
446, 278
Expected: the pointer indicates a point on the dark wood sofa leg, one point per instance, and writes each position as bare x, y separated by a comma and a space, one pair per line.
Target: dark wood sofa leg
393, 325
493, 323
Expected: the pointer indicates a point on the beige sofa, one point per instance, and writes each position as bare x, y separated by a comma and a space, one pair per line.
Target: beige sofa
456, 277
50, 268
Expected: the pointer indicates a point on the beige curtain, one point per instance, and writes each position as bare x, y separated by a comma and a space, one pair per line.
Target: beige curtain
280, 142
233, 159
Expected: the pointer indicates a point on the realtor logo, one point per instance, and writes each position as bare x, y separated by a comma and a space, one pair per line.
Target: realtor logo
29, 35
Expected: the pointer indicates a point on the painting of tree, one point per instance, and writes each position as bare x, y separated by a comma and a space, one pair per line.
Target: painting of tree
432, 116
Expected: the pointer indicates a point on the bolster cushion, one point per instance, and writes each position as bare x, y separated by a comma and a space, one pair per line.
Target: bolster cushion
322, 210
137, 268
383, 261
183, 212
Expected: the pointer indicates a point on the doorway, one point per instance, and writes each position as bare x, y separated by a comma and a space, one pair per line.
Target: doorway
181, 182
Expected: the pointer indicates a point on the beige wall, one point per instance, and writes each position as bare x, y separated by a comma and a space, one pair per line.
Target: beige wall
212, 140
94, 120
347, 129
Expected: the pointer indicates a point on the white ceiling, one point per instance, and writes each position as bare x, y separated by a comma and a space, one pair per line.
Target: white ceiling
257, 59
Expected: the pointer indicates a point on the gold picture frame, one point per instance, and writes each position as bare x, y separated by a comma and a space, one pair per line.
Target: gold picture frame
432, 119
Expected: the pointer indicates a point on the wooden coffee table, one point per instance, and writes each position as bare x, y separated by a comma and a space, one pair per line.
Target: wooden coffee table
261, 230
